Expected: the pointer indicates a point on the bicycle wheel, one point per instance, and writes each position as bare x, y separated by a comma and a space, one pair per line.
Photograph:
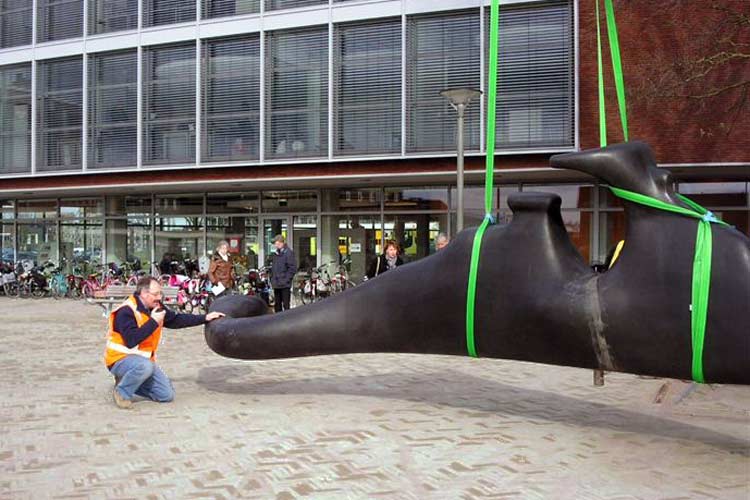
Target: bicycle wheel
37, 291
74, 290
54, 289
11, 289
87, 291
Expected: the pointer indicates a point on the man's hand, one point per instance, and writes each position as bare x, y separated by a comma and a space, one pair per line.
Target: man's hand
214, 315
158, 316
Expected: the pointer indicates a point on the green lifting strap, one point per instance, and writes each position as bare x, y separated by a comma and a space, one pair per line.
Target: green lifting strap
476, 247
614, 49
701, 266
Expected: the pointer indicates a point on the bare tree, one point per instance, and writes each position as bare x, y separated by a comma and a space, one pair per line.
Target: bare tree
706, 62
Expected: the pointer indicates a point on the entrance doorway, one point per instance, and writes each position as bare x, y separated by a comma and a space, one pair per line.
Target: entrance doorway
300, 233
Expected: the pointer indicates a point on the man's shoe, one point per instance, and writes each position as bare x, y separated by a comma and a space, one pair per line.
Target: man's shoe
120, 401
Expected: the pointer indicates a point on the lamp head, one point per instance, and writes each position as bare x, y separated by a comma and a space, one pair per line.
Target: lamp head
460, 96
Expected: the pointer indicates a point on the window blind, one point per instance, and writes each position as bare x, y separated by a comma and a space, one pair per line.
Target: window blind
368, 87
106, 16
292, 4
59, 19
222, 8
112, 109
15, 118
231, 99
535, 94
443, 53
297, 93
15, 23
161, 12
169, 104
60, 99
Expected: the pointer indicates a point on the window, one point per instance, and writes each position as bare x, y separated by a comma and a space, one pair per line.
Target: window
59, 19
297, 93
408, 199
368, 87
37, 242
59, 109
15, 23
79, 208
231, 100
15, 119
81, 241
112, 109
160, 12
169, 105
535, 90
232, 203
106, 16
292, 4
221, 8
7, 243
443, 53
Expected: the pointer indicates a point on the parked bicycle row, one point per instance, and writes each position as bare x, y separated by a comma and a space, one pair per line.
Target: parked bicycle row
24, 279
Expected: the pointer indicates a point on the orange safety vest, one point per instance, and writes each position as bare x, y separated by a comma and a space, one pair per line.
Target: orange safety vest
116, 348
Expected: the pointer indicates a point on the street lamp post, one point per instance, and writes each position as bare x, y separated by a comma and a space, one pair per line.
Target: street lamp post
459, 99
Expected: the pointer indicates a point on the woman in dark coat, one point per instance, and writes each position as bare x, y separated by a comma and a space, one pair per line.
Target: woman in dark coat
390, 259
221, 269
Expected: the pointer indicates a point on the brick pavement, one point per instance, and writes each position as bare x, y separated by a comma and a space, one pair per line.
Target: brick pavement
349, 427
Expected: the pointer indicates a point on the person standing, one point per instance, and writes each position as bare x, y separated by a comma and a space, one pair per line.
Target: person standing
283, 269
134, 334
221, 269
387, 261
441, 241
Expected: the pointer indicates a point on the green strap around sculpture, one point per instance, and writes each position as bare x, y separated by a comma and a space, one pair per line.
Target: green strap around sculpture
488, 181
701, 266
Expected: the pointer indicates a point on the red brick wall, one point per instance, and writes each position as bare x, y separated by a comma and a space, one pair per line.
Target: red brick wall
662, 43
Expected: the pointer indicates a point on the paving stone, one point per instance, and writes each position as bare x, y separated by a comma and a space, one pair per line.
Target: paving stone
349, 427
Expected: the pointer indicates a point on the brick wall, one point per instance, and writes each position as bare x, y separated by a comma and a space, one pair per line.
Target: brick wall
662, 43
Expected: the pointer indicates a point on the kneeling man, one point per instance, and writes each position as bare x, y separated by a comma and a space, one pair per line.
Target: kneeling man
133, 338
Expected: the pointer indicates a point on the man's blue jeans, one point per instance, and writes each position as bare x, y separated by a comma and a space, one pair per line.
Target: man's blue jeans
140, 376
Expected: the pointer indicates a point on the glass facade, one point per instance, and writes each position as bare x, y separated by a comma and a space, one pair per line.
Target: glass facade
443, 53
345, 226
535, 83
112, 109
224, 8
335, 90
15, 22
231, 104
58, 19
15, 119
297, 93
163, 12
368, 87
169, 105
107, 16
59, 114
217, 90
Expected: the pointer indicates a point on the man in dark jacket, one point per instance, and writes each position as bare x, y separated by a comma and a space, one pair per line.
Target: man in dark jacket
283, 269
133, 339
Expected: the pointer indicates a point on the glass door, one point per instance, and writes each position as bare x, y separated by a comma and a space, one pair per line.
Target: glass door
273, 226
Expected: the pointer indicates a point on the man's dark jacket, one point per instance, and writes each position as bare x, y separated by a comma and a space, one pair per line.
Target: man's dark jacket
283, 268
126, 325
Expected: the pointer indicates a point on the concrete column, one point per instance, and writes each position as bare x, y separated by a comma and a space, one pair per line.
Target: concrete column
329, 232
116, 230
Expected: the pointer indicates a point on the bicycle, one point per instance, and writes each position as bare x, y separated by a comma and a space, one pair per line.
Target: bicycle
317, 286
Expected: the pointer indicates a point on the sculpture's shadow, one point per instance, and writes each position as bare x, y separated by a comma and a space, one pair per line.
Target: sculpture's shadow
449, 388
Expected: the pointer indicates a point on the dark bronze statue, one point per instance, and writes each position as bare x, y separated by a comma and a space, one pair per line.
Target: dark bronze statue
537, 300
